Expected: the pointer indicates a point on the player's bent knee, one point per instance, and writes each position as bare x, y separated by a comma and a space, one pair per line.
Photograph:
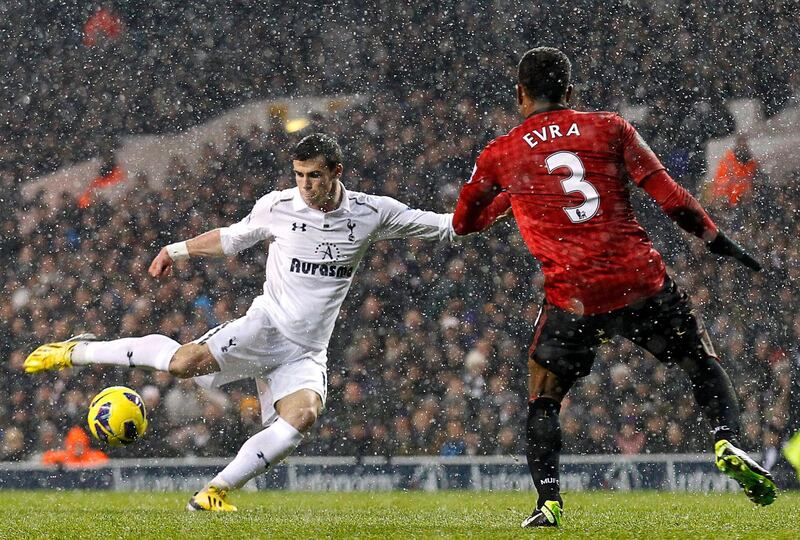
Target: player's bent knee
543, 383
182, 360
192, 360
300, 409
306, 418
301, 418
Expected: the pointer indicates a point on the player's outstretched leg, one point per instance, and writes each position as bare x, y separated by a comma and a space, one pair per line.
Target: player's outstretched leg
714, 393
297, 412
54, 356
754, 479
153, 351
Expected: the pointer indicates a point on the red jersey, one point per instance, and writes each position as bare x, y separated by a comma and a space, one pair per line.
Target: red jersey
567, 176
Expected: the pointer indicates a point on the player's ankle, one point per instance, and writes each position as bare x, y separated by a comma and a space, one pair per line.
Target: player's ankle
724, 433
549, 497
219, 484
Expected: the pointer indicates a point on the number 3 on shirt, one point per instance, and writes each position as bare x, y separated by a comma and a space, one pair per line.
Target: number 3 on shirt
575, 182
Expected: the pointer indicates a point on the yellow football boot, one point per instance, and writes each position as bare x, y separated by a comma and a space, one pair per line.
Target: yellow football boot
210, 499
54, 356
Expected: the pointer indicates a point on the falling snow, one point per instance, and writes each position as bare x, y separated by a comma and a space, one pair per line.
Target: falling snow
430, 351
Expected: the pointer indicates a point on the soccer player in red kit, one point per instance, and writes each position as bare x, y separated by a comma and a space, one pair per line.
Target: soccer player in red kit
567, 175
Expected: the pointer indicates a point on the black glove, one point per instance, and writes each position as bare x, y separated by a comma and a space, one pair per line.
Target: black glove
722, 245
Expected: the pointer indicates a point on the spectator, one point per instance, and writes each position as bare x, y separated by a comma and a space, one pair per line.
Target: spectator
675, 438
454, 443
104, 25
12, 444
475, 364
656, 433
735, 174
629, 440
77, 451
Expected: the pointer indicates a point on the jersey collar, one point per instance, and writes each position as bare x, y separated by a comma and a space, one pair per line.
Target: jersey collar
549, 108
297, 201
299, 204
345, 204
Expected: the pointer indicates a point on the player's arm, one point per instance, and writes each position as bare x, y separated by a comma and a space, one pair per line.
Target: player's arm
207, 244
217, 242
482, 200
478, 207
687, 213
399, 221
679, 205
647, 172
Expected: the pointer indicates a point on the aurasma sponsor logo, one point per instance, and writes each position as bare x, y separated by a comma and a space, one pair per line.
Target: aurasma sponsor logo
324, 270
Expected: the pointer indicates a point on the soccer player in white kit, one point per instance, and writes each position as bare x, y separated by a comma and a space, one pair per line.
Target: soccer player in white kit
318, 233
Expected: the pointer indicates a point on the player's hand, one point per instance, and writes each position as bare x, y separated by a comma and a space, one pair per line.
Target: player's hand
503, 200
161, 266
722, 245
506, 215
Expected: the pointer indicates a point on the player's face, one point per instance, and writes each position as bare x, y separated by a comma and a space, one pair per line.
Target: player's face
316, 182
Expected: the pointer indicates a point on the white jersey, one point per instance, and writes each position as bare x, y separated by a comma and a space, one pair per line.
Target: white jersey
313, 255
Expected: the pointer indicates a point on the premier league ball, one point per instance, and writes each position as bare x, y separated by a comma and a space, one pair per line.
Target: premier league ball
117, 416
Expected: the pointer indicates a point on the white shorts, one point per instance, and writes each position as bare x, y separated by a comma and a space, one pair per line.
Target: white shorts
252, 347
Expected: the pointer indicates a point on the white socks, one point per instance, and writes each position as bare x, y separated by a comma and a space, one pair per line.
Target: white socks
257, 455
154, 351
260, 452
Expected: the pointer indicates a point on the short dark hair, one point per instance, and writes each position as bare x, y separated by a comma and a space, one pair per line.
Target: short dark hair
544, 73
319, 144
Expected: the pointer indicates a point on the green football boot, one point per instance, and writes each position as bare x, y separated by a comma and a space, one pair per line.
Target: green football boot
549, 515
791, 451
754, 479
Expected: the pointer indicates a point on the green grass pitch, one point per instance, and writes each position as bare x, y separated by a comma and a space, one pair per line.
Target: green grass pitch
82, 514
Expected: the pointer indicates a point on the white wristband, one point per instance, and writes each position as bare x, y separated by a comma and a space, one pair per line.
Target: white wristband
178, 251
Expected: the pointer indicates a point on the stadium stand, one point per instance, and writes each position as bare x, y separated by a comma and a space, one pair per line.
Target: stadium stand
429, 355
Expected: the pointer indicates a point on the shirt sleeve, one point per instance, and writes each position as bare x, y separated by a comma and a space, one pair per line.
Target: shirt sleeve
399, 221
639, 159
679, 205
252, 229
481, 199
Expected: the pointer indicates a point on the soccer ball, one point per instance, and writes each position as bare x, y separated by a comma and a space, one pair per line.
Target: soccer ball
117, 416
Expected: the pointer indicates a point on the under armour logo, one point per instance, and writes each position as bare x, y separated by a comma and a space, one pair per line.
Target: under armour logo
302, 227
231, 343
260, 455
580, 213
351, 226
130, 356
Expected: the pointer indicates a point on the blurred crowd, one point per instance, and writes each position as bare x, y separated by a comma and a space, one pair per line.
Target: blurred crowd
78, 75
430, 351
